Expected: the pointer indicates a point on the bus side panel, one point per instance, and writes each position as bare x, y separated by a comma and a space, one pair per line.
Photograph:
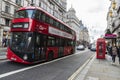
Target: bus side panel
71, 50
41, 27
54, 50
67, 50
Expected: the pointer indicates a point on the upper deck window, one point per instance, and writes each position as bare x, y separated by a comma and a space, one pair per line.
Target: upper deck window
24, 14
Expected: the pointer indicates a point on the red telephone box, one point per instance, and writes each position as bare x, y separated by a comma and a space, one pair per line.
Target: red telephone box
101, 48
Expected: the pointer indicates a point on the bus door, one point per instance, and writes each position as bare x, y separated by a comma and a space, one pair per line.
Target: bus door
40, 47
61, 48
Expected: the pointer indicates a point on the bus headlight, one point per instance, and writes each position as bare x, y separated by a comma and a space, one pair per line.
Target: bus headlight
26, 25
25, 57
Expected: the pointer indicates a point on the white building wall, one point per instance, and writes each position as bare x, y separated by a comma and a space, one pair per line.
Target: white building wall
37, 2
73, 21
117, 3
8, 15
12, 8
13, 1
3, 6
25, 3
76, 29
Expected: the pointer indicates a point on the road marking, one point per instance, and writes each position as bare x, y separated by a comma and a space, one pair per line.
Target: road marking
27, 68
72, 77
92, 78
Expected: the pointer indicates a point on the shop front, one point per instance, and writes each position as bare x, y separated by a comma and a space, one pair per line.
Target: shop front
111, 39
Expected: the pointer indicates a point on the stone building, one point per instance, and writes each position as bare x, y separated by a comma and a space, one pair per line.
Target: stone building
77, 25
84, 34
7, 10
113, 19
73, 22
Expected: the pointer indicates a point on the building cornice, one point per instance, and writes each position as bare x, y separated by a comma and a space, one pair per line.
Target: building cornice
6, 15
58, 4
12, 3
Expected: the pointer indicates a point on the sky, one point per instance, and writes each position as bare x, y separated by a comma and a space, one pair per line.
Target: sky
93, 14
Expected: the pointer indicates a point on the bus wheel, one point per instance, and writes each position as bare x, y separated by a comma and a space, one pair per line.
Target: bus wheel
50, 56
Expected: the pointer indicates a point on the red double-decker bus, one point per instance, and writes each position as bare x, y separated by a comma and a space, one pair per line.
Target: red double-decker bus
37, 36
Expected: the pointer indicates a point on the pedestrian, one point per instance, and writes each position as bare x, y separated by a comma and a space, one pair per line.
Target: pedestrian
119, 53
110, 50
3, 42
114, 53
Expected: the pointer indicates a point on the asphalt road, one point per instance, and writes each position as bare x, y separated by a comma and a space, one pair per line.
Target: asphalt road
59, 69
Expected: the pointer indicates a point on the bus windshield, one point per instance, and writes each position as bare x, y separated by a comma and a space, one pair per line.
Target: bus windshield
24, 14
22, 42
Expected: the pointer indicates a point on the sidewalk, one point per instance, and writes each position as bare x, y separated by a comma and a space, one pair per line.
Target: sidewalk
100, 69
3, 53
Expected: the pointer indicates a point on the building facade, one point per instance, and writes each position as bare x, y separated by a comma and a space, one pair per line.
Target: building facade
73, 22
55, 7
82, 34
113, 19
7, 10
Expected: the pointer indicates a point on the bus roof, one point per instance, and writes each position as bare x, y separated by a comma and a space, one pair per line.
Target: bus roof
32, 7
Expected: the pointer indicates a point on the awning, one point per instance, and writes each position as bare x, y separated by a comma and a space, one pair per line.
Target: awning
110, 36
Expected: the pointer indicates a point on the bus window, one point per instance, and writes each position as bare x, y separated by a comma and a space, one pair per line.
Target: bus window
61, 26
37, 15
24, 14
47, 20
43, 17
57, 24
61, 41
51, 21
54, 23
37, 40
57, 42
43, 40
51, 41
40, 40
65, 29
65, 42
22, 42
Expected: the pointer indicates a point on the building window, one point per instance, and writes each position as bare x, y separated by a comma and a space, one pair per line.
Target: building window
40, 4
18, 2
7, 8
15, 10
7, 22
48, 9
46, 0
32, 2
